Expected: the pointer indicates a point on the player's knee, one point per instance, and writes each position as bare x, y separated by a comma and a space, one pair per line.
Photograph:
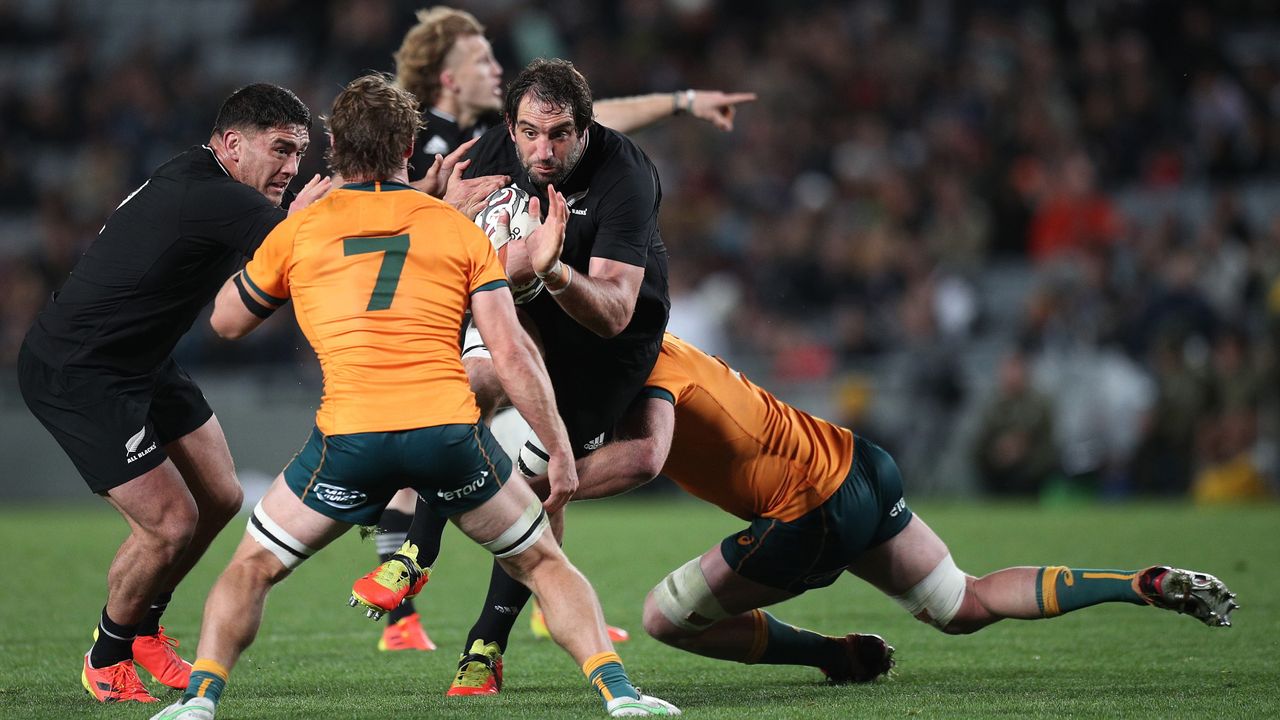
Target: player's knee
658, 626
525, 545
973, 614
170, 536
223, 504
683, 603
939, 597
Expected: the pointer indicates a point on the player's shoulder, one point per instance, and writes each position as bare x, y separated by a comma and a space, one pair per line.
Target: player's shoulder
493, 154
195, 183
618, 161
621, 150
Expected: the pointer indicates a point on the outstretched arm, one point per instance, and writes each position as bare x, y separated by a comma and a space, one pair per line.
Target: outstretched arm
633, 113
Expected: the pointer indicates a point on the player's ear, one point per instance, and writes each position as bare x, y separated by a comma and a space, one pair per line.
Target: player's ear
232, 140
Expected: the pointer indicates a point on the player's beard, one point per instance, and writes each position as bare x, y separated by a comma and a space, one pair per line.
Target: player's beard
564, 169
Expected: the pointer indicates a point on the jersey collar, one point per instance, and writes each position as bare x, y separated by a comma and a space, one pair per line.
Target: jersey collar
377, 186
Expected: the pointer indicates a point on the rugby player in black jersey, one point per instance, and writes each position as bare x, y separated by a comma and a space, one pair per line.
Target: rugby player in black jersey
446, 61
96, 370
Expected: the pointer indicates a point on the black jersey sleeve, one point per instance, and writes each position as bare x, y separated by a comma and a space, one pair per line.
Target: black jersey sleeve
229, 213
628, 219
493, 154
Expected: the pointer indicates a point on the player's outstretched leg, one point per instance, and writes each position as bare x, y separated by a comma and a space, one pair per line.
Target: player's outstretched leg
916, 569
706, 608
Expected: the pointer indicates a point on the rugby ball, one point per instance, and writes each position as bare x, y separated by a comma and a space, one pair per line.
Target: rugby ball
505, 217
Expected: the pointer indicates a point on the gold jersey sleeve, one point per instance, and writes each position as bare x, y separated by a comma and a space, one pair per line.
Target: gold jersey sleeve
738, 446
380, 276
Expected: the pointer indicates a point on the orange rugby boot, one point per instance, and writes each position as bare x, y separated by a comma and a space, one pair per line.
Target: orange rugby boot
114, 683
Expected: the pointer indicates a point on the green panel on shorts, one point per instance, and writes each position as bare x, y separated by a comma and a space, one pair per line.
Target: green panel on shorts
811, 551
351, 478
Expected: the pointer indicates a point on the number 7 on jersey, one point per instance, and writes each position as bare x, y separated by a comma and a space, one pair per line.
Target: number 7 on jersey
395, 248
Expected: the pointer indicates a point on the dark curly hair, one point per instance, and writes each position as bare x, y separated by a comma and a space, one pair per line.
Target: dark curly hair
556, 83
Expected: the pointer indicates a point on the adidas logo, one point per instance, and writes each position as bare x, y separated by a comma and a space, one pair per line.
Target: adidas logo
594, 444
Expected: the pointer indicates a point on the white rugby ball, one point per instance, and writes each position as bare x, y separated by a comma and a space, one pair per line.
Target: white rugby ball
512, 204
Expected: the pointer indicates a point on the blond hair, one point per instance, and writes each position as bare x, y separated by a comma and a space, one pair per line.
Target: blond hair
422, 53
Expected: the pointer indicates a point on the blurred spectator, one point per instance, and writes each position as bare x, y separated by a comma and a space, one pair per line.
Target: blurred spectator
1074, 217
1015, 449
1228, 435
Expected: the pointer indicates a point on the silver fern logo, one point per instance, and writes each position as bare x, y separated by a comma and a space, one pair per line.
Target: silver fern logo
131, 445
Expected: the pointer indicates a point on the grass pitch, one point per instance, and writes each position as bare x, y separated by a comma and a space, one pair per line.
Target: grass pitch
316, 658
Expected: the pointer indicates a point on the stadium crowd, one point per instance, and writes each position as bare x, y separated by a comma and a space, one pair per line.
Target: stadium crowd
1041, 235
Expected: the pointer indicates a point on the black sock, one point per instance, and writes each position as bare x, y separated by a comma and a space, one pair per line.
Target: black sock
425, 532
393, 528
150, 624
114, 643
502, 606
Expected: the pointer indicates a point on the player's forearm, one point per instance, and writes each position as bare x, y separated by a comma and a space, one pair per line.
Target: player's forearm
632, 113
602, 306
524, 377
616, 468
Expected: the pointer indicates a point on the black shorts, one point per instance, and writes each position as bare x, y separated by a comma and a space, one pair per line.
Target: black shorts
113, 427
593, 396
814, 549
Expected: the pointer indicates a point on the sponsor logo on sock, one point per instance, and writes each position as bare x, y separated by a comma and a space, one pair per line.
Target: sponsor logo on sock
506, 609
339, 497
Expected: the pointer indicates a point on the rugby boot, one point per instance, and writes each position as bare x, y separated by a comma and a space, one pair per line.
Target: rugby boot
867, 657
391, 583
114, 683
538, 624
197, 708
405, 634
156, 655
643, 705
479, 671
1200, 595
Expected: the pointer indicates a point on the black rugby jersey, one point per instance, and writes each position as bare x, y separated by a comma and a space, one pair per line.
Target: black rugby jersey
440, 134
613, 195
161, 257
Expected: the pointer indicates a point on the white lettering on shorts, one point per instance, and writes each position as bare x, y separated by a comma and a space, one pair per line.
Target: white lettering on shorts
465, 490
339, 497
131, 453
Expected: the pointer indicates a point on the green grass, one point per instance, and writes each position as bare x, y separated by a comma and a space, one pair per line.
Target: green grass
315, 657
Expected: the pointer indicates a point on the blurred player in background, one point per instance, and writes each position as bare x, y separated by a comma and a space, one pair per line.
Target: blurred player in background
96, 370
380, 276
446, 61
821, 501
